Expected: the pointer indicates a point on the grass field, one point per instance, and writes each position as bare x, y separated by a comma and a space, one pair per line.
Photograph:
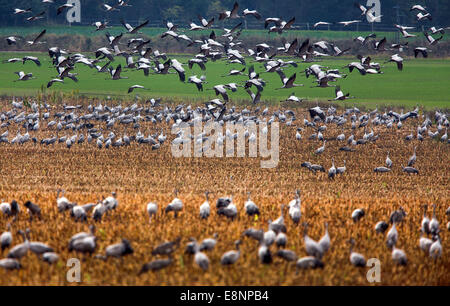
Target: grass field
140, 175
423, 82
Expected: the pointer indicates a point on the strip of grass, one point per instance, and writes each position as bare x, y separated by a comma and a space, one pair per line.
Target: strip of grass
423, 82
313, 34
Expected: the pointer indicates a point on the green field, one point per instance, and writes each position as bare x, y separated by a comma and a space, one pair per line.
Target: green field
423, 81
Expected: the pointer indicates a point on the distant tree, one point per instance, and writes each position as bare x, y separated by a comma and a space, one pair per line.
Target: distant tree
186, 10
173, 13
215, 7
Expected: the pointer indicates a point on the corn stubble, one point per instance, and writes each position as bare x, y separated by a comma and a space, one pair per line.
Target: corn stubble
140, 175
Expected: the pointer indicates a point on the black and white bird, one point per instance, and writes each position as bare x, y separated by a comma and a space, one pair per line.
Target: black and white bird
332, 170
38, 16
176, 205
6, 238
380, 45
405, 34
81, 235
10, 264
38, 247
363, 40
347, 23
33, 209
233, 14
364, 10
206, 23
287, 82
175, 64
421, 16
253, 13
167, 248
6, 208
152, 210
115, 75
371, 18
357, 214
264, 254
356, 259
111, 202
20, 250
78, 213
325, 241
12, 40
52, 81
340, 94
399, 256
50, 257
425, 223
61, 8
281, 240
316, 111
381, 227
435, 30
230, 210
398, 60
434, 223
309, 262
205, 207
431, 40
256, 98
197, 81
156, 265
397, 216
231, 257
412, 159
18, 11
312, 247
132, 88
208, 244
392, 236
201, 259
99, 211
287, 255
322, 23
109, 8
418, 7
269, 237
294, 207
24, 76
410, 170
321, 149
120, 249
37, 39
133, 30
85, 243
388, 161
425, 243
436, 248
100, 25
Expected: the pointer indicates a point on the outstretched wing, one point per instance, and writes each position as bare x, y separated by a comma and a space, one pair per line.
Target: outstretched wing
39, 36
141, 26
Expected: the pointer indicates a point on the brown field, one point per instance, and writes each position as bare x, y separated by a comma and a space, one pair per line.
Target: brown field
140, 175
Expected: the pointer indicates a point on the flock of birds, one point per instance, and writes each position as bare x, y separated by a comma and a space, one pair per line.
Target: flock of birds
85, 243
139, 56
115, 126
